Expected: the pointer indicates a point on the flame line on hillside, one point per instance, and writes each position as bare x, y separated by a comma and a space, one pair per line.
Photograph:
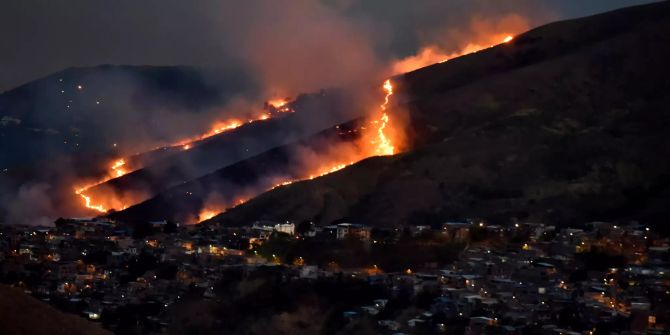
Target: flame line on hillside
117, 169
433, 54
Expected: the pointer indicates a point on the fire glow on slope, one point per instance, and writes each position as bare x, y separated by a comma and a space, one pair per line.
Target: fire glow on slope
433, 54
119, 167
377, 139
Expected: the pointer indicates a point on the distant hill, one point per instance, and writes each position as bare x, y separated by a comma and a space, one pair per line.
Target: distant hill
83, 111
23, 314
69, 125
568, 122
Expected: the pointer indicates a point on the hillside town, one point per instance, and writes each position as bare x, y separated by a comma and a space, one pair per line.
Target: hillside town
456, 277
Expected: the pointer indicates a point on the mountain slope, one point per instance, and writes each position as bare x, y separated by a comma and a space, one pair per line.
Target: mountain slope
568, 122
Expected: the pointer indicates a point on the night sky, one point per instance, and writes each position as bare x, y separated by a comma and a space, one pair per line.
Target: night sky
41, 37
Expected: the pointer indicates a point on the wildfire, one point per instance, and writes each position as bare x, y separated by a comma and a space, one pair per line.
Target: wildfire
472, 48
216, 129
278, 103
87, 202
206, 214
433, 54
118, 169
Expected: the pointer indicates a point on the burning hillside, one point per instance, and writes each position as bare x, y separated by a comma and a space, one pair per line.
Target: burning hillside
434, 54
119, 167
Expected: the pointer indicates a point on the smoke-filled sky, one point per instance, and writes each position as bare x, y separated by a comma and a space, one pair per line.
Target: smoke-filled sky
298, 44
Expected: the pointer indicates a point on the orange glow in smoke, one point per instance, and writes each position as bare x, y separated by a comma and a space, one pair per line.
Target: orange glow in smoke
278, 103
207, 214
118, 169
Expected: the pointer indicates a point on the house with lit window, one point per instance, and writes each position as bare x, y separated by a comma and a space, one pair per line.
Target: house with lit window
353, 230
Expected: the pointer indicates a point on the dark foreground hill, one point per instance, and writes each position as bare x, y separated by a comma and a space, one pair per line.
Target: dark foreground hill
22, 314
566, 123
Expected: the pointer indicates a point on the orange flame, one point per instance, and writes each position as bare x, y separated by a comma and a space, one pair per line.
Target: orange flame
383, 143
207, 214
88, 204
116, 170
278, 103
